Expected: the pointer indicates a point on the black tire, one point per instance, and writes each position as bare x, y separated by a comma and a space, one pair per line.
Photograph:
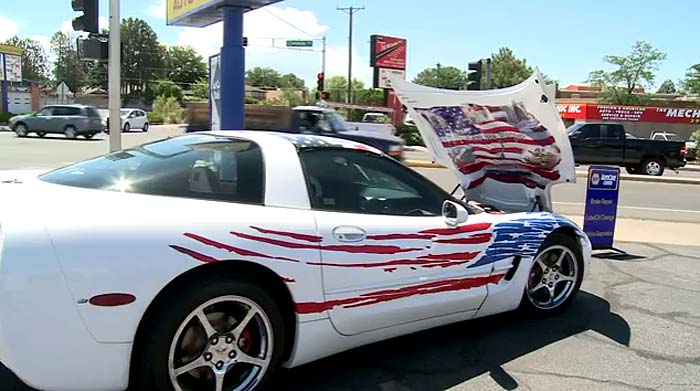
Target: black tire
653, 167
41, 134
127, 127
88, 136
21, 130
151, 366
70, 132
145, 127
556, 239
632, 170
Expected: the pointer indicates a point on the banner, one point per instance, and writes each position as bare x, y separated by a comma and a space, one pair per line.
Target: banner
215, 91
593, 112
601, 206
13, 68
507, 146
2, 67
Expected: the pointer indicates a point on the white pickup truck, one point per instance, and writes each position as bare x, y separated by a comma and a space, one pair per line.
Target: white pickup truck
374, 122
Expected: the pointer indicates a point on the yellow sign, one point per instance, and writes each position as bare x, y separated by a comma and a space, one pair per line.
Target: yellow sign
10, 49
180, 8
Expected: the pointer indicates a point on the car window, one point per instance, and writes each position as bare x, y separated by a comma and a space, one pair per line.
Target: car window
194, 166
352, 181
673, 137
611, 131
658, 137
45, 112
66, 111
92, 112
589, 131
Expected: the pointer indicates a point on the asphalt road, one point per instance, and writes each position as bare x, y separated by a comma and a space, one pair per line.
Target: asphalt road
634, 326
639, 200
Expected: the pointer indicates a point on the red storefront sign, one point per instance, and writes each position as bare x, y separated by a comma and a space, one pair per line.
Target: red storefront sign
387, 52
592, 112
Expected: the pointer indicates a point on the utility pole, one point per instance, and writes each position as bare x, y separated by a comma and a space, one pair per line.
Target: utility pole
350, 11
439, 76
115, 126
323, 58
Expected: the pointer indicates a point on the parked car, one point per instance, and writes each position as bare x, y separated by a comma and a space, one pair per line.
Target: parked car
226, 255
70, 120
604, 143
132, 119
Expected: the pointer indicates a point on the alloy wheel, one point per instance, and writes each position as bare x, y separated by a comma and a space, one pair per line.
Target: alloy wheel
225, 344
552, 278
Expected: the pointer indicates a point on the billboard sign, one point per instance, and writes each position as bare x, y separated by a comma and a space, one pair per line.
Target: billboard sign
13, 68
593, 112
201, 13
387, 52
2, 67
601, 206
382, 76
215, 91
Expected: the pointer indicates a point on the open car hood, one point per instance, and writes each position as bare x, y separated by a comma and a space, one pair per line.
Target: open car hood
507, 147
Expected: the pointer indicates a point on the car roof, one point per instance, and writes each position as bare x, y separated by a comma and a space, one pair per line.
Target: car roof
77, 106
298, 140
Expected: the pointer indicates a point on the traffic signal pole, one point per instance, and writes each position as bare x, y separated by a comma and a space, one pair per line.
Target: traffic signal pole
115, 126
233, 70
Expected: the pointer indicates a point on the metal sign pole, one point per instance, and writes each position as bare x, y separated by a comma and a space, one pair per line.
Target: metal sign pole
115, 126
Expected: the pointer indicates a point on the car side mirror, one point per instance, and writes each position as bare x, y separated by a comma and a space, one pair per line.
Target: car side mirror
454, 213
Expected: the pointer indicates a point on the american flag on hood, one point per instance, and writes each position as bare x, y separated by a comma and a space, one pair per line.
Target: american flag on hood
503, 143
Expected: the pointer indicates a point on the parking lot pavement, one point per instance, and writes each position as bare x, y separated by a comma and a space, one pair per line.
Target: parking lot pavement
634, 326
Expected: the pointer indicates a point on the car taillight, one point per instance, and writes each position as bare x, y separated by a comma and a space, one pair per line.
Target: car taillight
684, 151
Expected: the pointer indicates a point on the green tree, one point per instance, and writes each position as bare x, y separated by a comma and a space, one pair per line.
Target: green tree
370, 96
291, 80
168, 89
200, 89
506, 69
692, 80
143, 57
635, 70
97, 75
169, 109
34, 61
337, 88
289, 98
667, 87
184, 65
449, 77
67, 67
262, 77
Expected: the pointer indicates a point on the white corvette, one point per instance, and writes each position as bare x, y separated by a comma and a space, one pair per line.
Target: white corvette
208, 261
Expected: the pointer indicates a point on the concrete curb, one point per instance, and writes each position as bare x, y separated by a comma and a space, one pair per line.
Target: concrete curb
691, 167
583, 174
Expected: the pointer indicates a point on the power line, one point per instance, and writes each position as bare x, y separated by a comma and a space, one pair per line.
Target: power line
297, 28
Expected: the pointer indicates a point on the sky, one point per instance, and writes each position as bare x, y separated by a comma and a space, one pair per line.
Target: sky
566, 40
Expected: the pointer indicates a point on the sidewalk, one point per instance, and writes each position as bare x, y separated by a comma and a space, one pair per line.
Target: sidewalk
658, 232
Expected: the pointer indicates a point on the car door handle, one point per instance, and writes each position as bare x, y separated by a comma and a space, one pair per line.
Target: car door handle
347, 233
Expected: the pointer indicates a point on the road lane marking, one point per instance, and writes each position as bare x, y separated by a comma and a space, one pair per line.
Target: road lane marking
634, 207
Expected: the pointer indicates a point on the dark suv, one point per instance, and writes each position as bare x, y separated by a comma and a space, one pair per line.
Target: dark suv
70, 120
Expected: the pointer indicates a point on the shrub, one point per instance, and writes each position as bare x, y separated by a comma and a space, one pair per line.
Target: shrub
168, 109
410, 134
155, 118
5, 117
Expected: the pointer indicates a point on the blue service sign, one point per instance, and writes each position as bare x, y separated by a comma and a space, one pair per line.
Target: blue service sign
601, 205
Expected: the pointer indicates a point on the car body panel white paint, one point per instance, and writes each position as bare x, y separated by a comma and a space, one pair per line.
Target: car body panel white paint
101, 242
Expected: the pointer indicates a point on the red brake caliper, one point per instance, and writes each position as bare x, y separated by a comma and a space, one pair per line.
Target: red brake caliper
247, 337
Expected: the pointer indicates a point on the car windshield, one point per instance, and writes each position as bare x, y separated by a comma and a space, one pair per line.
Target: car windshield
573, 128
673, 137
124, 112
336, 120
192, 166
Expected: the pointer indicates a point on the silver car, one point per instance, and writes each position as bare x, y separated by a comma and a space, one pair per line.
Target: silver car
70, 120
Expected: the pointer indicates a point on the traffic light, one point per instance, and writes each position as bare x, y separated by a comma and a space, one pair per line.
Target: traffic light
324, 95
474, 76
89, 20
320, 81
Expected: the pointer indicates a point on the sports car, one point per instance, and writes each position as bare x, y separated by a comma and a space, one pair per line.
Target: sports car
209, 261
